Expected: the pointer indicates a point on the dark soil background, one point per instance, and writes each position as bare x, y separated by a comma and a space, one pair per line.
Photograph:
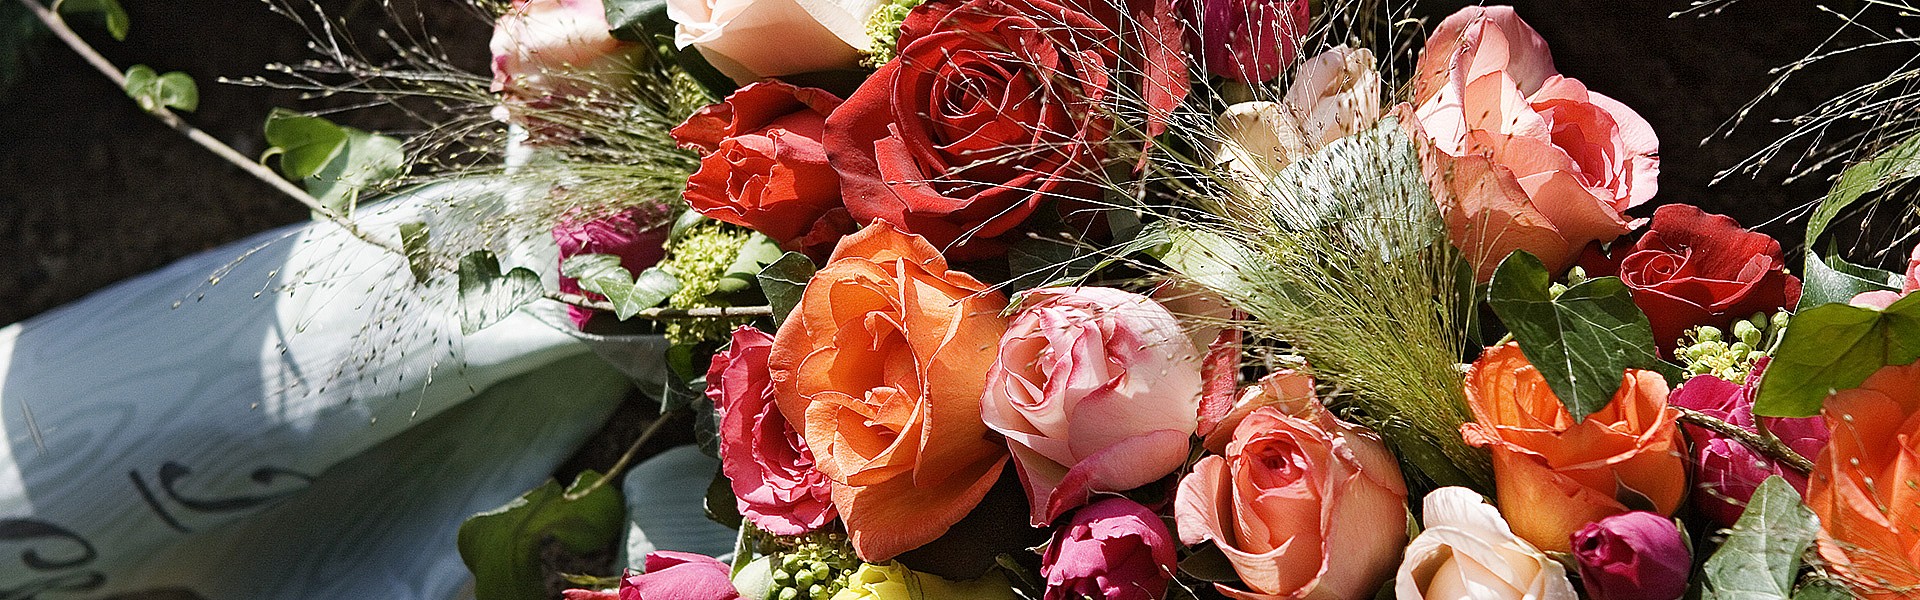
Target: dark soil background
93, 191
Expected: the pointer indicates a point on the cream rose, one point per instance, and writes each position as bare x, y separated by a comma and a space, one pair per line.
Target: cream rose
749, 40
1333, 95
1467, 551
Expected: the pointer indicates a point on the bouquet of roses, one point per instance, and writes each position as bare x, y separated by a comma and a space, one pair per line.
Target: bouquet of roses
1141, 299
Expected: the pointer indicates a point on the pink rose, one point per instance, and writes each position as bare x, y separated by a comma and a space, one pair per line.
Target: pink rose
546, 51
1519, 157
1726, 472
680, 576
1883, 299
771, 470
1304, 506
1114, 549
638, 236
1097, 390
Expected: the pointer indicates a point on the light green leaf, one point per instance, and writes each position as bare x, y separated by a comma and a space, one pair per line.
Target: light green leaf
1902, 161
364, 160
304, 144
1762, 553
602, 274
172, 90
116, 16
487, 295
784, 282
1835, 347
754, 256
502, 547
1208, 259
413, 240
1583, 341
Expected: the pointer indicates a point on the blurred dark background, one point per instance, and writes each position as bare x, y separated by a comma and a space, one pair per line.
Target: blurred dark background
93, 191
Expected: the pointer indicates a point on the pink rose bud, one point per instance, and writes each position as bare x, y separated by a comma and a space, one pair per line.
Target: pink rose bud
637, 236
1632, 556
1726, 472
764, 457
1114, 549
680, 576
1097, 390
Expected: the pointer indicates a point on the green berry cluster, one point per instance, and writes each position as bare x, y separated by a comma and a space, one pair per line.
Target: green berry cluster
883, 28
1710, 351
699, 259
815, 569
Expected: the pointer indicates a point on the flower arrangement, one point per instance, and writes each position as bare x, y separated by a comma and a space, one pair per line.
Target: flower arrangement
1141, 299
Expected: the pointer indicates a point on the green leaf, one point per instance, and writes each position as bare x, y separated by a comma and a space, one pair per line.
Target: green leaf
1822, 589
487, 295
1902, 161
364, 160
116, 17
635, 20
784, 282
753, 257
1583, 341
1208, 563
1209, 259
1762, 552
172, 90
602, 274
1835, 347
413, 240
502, 547
304, 144
1836, 280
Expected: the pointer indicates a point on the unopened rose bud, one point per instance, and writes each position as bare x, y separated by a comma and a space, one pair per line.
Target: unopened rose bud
1632, 556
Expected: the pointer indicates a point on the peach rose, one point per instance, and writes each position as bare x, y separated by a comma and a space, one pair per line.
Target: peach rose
1519, 157
882, 366
1561, 475
1097, 390
753, 39
1864, 487
1304, 506
1333, 95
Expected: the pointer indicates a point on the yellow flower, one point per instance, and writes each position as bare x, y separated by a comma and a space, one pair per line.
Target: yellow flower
890, 581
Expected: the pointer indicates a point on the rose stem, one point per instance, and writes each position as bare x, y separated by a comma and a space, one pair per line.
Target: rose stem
627, 457
1767, 446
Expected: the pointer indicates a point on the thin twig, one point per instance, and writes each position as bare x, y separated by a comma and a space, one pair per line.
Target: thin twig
1767, 446
620, 465
100, 63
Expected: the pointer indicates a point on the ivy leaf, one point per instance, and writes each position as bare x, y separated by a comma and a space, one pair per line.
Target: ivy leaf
1835, 347
502, 547
487, 295
304, 144
753, 257
1583, 341
152, 90
602, 274
1834, 280
784, 282
1762, 554
363, 160
116, 17
413, 240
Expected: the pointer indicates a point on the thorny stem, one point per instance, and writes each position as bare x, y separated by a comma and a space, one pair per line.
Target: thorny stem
620, 465
1765, 445
58, 25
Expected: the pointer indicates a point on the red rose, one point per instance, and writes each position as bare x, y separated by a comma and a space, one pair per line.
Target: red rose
763, 167
765, 459
1693, 268
992, 107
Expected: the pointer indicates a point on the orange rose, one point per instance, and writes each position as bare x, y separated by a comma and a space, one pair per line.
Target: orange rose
882, 365
1864, 484
1555, 475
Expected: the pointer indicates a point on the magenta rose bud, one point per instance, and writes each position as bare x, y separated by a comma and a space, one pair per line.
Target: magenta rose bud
1097, 390
638, 236
680, 576
1114, 549
1632, 556
1726, 472
1248, 40
771, 470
